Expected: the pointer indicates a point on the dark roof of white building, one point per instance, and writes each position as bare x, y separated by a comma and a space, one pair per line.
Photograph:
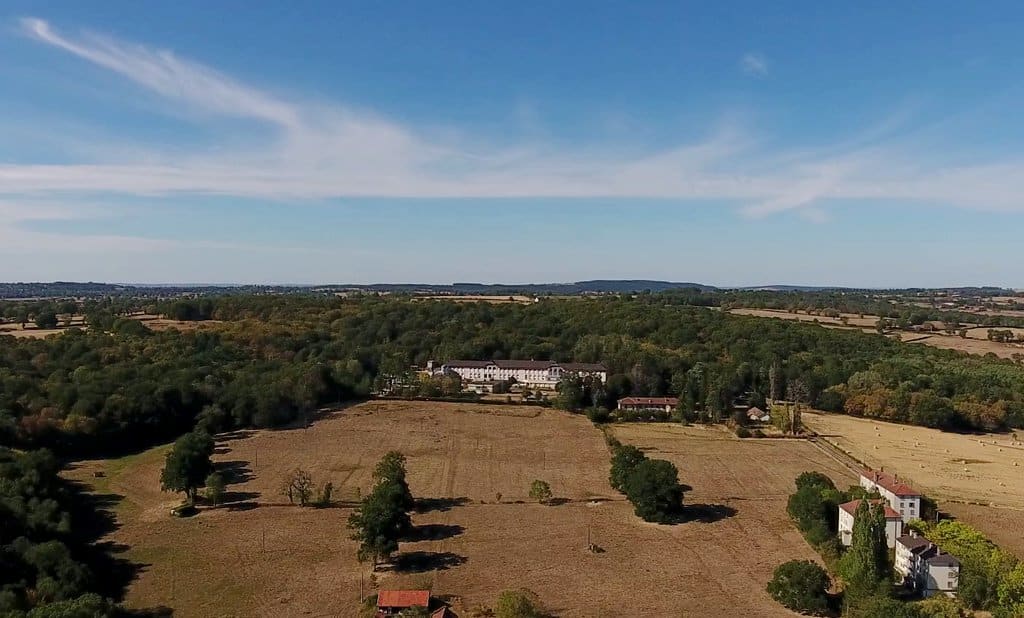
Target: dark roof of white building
526, 364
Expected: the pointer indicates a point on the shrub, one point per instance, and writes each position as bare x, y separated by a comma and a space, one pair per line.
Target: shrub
598, 415
521, 603
742, 432
540, 491
802, 586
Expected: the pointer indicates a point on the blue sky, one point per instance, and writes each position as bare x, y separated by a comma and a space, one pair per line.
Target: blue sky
745, 143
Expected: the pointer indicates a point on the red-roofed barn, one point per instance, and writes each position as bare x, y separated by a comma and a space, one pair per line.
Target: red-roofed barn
393, 602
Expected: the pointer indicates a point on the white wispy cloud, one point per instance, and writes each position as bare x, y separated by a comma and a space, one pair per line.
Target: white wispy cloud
319, 150
753, 63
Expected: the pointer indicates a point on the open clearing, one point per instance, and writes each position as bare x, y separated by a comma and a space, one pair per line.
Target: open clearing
950, 467
975, 343
969, 345
260, 556
866, 323
473, 298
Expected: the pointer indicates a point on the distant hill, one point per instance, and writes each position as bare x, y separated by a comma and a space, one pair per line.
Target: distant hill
67, 289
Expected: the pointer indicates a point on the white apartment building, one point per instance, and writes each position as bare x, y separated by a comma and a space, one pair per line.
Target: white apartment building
847, 514
925, 568
901, 497
532, 374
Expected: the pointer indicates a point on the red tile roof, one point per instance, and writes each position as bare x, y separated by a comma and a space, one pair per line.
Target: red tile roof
403, 598
648, 401
890, 483
851, 508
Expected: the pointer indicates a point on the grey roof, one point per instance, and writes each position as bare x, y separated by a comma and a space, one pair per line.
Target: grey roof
526, 364
942, 560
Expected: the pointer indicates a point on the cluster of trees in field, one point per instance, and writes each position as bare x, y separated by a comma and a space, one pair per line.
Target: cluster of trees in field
651, 485
47, 566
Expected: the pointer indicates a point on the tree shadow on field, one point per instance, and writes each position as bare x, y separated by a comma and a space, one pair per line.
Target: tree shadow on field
160, 611
425, 505
241, 434
433, 532
235, 471
422, 561
95, 519
706, 513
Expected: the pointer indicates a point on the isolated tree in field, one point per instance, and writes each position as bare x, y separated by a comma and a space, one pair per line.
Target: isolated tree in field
521, 603
188, 464
46, 319
298, 486
802, 586
215, 487
654, 490
383, 515
624, 462
391, 470
540, 491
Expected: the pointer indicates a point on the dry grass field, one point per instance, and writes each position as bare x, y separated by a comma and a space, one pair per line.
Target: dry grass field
866, 323
156, 322
984, 469
261, 557
30, 331
975, 343
481, 298
970, 345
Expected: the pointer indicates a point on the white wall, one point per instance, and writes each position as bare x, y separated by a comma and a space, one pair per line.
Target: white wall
845, 527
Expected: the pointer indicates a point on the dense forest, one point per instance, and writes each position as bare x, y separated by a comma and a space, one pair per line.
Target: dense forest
269, 360
275, 358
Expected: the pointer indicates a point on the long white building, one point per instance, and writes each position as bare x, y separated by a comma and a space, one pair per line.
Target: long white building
847, 515
903, 498
532, 374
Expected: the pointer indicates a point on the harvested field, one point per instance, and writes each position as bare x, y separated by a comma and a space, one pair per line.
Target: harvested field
972, 468
260, 556
1001, 525
743, 486
157, 322
975, 343
473, 298
854, 320
969, 345
29, 332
